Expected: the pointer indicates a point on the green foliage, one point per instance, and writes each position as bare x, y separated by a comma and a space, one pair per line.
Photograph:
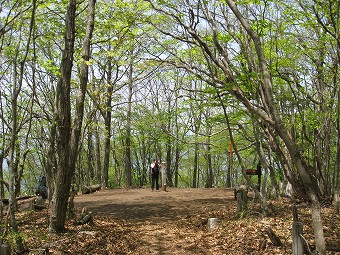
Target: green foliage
50, 67
175, 81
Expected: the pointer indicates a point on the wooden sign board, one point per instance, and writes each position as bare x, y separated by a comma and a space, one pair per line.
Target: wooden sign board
255, 172
251, 172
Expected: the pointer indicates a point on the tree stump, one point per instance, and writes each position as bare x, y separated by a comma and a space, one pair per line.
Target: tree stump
86, 219
239, 188
242, 200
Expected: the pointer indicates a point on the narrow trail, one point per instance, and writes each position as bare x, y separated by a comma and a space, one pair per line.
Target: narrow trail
171, 222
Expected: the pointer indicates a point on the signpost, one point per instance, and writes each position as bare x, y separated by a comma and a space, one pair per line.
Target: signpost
241, 192
251, 171
257, 172
163, 176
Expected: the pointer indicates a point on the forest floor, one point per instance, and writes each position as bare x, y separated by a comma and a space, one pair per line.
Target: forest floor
139, 221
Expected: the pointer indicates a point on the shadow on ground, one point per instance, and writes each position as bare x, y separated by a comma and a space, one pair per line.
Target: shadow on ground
141, 206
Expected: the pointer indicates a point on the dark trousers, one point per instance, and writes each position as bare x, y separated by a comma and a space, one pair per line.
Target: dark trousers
154, 179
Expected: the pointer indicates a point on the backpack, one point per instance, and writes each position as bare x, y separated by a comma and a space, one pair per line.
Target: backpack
155, 169
41, 188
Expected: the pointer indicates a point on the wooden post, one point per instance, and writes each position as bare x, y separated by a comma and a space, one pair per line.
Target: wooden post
5, 249
163, 176
297, 244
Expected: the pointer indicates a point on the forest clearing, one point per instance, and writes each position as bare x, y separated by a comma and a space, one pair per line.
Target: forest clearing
138, 221
204, 93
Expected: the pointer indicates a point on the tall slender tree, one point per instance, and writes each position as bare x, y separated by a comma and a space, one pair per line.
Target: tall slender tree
63, 126
68, 138
128, 138
14, 148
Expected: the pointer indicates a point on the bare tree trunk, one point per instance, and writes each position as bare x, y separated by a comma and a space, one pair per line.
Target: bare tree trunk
3, 154
107, 122
2, 189
262, 162
177, 143
90, 155
209, 170
336, 185
14, 151
98, 159
143, 161
83, 80
272, 174
22, 158
194, 177
176, 163
51, 161
230, 154
169, 146
233, 146
169, 174
63, 121
68, 139
177, 157
128, 163
322, 134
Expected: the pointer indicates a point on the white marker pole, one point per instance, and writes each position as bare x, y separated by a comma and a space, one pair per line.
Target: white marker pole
163, 164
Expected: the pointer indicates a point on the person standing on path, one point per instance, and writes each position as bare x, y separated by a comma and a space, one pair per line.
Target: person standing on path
154, 174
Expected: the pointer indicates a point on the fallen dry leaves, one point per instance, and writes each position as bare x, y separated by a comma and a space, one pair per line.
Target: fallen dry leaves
181, 234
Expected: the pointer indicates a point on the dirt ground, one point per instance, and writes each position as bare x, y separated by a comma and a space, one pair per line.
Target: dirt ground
140, 205
160, 222
139, 221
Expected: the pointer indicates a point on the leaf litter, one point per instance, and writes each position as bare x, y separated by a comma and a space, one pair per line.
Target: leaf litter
138, 221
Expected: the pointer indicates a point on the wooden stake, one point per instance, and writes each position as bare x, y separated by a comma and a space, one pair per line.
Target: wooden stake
297, 244
5, 249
